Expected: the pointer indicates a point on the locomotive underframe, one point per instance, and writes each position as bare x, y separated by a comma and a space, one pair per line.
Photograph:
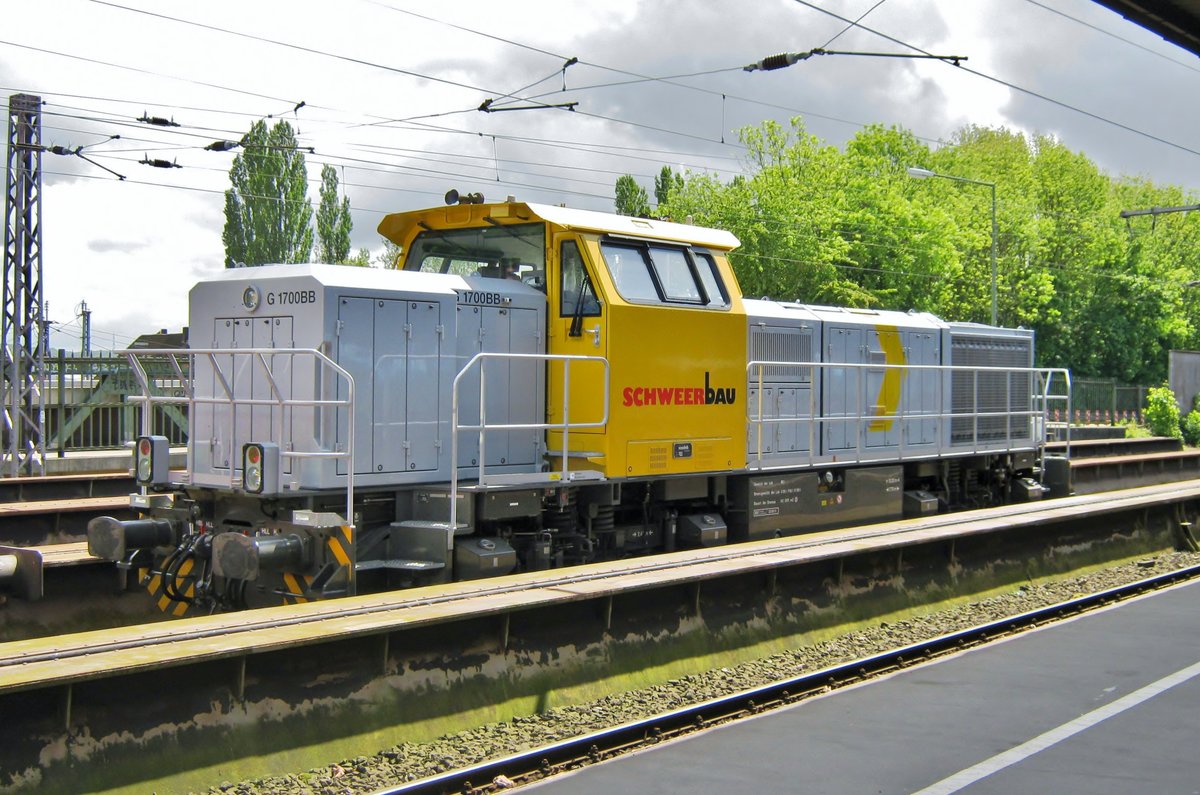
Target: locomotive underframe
231, 550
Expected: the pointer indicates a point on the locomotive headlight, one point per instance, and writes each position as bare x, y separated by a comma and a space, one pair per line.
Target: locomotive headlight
253, 468
151, 458
260, 468
145, 463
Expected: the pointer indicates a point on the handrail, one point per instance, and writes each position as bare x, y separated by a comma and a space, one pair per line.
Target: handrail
1047, 396
259, 365
1040, 391
483, 427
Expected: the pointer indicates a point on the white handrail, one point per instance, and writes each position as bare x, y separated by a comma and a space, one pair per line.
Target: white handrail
483, 427
260, 365
1041, 379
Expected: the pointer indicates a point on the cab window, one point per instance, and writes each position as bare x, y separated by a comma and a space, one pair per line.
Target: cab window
652, 272
578, 295
507, 251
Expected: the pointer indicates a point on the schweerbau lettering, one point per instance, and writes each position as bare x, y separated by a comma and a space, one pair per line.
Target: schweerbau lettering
708, 395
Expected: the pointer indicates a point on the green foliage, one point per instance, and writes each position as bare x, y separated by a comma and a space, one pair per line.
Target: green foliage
1135, 431
849, 227
267, 213
333, 220
665, 183
1190, 427
1162, 412
632, 198
390, 256
361, 260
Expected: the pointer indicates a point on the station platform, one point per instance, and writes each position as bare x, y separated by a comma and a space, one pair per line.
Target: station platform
1103, 703
84, 462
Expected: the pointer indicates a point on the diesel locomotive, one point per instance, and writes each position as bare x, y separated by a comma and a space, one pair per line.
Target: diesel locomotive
535, 386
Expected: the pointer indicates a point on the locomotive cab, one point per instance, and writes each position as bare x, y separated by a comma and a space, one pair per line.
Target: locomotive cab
656, 300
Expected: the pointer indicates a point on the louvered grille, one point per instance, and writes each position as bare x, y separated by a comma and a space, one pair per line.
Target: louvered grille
988, 392
781, 345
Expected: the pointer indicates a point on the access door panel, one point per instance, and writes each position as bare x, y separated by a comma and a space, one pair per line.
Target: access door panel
390, 395
423, 385
356, 332
843, 389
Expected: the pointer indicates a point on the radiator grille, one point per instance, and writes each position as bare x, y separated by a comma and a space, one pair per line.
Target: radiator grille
1006, 393
781, 345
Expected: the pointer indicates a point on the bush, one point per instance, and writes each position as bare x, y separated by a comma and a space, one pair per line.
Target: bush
1162, 412
1135, 431
1190, 425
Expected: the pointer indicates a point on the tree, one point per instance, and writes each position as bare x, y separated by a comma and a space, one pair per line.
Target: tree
666, 182
782, 214
632, 198
333, 220
268, 217
361, 260
850, 228
390, 256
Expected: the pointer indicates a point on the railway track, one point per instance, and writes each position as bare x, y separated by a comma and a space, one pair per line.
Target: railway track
65, 574
552, 759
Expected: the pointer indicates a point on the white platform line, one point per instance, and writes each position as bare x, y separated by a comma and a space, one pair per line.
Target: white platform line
967, 777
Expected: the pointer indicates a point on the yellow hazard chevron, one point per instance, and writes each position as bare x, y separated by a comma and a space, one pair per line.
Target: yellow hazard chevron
341, 545
296, 586
158, 590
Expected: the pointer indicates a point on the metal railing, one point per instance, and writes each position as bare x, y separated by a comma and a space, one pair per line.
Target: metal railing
1103, 400
86, 407
862, 414
483, 427
228, 392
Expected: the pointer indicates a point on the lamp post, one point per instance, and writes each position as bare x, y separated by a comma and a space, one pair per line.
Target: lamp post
924, 173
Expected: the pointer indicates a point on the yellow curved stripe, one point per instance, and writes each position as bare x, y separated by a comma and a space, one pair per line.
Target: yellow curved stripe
888, 400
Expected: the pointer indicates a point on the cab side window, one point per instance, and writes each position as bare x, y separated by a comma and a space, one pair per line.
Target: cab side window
652, 272
578, 295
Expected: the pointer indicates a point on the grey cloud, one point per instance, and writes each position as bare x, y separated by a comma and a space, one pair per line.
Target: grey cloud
117, 246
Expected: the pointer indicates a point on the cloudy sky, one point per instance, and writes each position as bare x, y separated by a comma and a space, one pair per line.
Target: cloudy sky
391, 90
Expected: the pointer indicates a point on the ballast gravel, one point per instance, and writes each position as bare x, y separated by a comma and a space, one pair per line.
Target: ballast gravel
410, 761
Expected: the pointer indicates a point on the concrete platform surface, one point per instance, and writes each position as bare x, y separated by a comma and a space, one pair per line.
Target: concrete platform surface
1104, 703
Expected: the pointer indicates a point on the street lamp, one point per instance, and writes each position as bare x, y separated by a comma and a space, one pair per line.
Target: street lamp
924, 173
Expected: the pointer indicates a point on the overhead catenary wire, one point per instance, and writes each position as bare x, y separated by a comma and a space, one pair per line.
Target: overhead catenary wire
1008, 84
394, 168
849, 25
1114, 36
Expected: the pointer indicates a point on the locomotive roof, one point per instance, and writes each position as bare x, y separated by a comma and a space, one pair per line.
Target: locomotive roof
766, 308
397, 227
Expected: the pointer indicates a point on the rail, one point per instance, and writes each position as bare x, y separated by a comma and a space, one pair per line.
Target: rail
227, 388
543, 762
861, 420
482, 427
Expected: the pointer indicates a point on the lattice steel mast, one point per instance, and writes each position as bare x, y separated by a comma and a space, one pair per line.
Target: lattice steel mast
21, 331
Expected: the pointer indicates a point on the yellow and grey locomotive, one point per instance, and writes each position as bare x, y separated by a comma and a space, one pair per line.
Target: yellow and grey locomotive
537, 386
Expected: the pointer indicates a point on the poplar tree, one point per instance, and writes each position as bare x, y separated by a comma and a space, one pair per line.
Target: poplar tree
631, 197
333, 220
268, 217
